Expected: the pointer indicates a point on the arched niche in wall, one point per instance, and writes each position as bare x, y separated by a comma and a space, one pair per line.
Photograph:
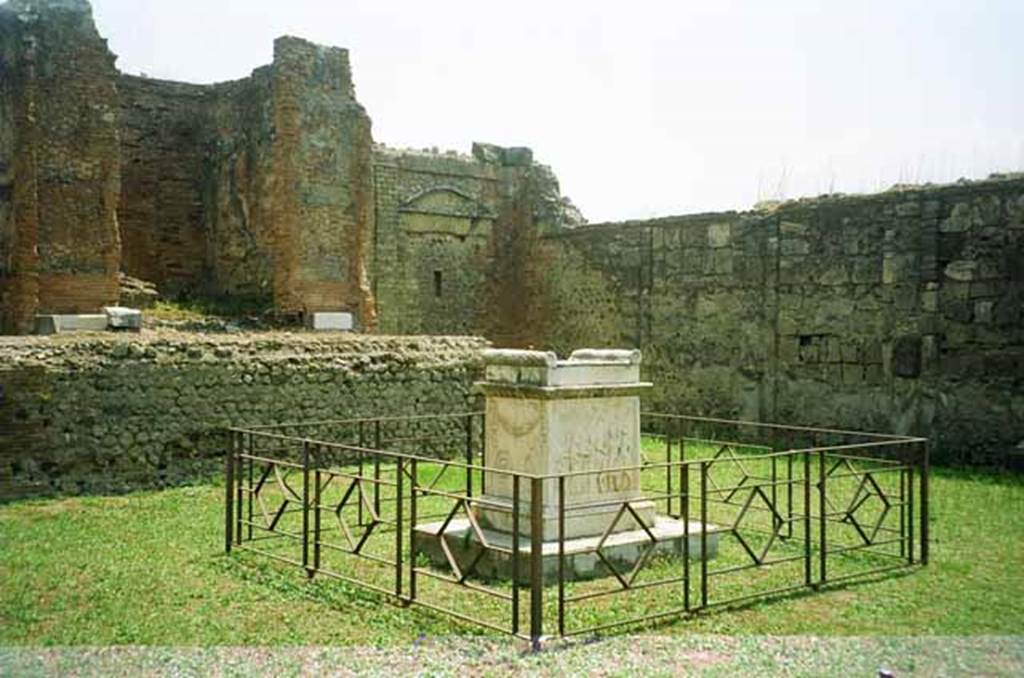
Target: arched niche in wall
445, 210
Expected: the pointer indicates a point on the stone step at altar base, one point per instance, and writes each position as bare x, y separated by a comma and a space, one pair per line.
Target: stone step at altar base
623, 549
580, 521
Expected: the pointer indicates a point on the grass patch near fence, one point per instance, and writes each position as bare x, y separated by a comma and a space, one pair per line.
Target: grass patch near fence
149, 569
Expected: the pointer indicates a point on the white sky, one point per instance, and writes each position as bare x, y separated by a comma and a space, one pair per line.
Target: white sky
646, 108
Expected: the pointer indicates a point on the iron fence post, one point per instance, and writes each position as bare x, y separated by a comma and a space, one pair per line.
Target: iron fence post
412, 529
317, 499
925, 453
789, 495
376, 468
469, 455
775, 495
362, 446
910, 515
683, 430
561, 555
684, 500
238, 487
229, 490
903, 512
668, 469
399, 494
677, 426
822, 520
808, 574
250, 499
703, 534
483, 453
515, 553
305, 508
536, 562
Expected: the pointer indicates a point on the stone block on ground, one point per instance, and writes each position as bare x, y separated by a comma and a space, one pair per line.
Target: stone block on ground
332, 322
624, 550
124, 319
58, 324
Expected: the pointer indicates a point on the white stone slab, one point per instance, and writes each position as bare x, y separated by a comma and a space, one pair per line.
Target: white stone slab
332, 322
586, 367
623, 549
59, 323
121, 318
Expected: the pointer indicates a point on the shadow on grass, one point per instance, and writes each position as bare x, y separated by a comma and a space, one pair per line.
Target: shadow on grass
341, 596
337, 595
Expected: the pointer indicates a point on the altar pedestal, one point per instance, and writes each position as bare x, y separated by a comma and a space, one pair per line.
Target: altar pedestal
579, 419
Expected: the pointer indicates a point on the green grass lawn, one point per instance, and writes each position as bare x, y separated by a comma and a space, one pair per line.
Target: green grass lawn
149, 569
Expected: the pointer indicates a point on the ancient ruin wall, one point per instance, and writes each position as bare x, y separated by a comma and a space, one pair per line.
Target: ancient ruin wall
111, 413
195, 210
896, 312
63, 246
11, 260
266, 187
449, 227
435, 215
323, 185
237, 189
164, 129
260, 187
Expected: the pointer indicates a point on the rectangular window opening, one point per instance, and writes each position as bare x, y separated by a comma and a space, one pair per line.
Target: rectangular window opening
438, 281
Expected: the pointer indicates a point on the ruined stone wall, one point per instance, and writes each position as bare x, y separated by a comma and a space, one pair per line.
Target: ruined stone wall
66, 247
237, 193
323, 208
111, 413
8, 156
450, 238
262, 187
896, 312
164, 130
435, 215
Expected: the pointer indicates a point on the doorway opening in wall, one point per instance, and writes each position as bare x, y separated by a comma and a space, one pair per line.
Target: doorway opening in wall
438, 284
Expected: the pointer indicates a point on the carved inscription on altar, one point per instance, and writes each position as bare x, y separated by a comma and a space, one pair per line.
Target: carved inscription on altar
599, 435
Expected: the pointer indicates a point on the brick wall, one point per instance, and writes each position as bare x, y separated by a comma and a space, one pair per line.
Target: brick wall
237, 190
323, 207
164, 128
262, 187
63, 246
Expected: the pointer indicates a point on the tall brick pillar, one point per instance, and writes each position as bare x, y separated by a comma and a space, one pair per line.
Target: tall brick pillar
322, 215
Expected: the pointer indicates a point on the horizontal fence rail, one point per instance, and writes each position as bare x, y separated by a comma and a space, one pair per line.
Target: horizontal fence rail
745, 511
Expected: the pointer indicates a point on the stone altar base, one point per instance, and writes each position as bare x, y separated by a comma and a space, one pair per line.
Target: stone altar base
622, 549
579, 522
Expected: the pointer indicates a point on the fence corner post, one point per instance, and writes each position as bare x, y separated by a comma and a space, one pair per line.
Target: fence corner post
536, 563
925, 453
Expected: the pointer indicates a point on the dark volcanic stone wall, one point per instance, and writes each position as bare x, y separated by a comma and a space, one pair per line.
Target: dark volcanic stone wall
902, 311
110, 413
